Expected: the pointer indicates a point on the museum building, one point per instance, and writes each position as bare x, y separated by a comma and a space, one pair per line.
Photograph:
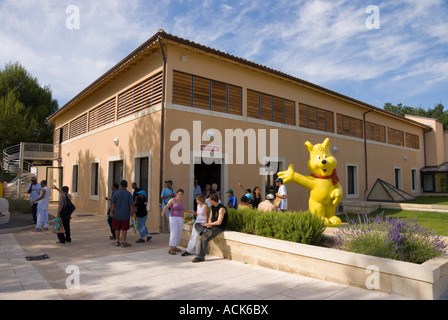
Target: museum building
177, 110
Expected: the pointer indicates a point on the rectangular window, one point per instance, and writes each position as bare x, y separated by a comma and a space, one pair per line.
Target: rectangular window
117, 171
271, 108
397, 178
316, 118
352, 181
94, 182
412, 141
78, 126
102, 115
198, 92
395, 137
75, 176
414, 182
375, 132
270, 186
428, 182
143, 181
441, 182
349, 126
141, 96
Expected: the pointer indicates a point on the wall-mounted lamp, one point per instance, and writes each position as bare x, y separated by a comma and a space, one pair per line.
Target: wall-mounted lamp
183, 58
335, 149
116, 141
405, 158
210, 134
68, 153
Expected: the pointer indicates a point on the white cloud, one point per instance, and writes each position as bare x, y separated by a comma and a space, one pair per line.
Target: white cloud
322, 41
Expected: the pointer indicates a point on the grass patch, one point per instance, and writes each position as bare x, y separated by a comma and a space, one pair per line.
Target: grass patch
439, 200
437, 221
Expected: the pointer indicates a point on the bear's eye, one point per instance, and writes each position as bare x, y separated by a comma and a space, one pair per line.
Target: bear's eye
324, 155
318, 157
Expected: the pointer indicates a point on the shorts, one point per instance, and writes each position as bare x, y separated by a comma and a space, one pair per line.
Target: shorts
118, 225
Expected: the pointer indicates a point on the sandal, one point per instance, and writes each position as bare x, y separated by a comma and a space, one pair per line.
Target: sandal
125, 244
173, 252
117, 244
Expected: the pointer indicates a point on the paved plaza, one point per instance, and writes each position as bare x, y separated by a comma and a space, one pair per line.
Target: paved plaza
143, 271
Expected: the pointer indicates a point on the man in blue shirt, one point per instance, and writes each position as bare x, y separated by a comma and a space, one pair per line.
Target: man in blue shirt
166, 195
121, 207
232, 202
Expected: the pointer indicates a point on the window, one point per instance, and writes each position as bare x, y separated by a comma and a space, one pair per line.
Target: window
141, 96
412, 141
395, 137
315, 118
117, 171
102, 115
349, 126
375, 132
267, 107
78, 126
94, 180
352, 181
397, 178
414, 181
198, 92
75, 176
269, 173
142, 176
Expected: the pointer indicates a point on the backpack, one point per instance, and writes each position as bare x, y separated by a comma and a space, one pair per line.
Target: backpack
67, 209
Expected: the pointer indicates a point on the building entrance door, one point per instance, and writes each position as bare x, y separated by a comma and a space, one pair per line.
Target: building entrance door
208, 174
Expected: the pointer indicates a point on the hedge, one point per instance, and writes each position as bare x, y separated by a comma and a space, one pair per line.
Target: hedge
297, 226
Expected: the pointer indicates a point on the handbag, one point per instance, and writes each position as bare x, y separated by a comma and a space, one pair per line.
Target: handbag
277, 201
58, 226
67, 209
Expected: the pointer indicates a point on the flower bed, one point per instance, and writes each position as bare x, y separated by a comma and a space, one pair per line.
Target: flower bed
392, 238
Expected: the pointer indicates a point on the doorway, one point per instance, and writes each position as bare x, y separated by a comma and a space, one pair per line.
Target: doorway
208, 174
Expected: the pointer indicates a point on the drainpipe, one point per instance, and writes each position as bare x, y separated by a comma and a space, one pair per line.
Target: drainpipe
365, 152
162, 129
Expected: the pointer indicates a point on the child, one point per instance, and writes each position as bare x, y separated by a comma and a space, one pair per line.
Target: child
201, 217
232, 202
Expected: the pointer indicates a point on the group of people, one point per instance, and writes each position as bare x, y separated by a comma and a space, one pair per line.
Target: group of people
211, 219
125, 206
252, 199
211, 214
40, 200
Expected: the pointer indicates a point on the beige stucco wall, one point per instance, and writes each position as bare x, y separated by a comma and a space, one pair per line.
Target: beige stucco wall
435, 142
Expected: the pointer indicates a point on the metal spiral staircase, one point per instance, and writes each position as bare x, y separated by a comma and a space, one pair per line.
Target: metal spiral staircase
14, 163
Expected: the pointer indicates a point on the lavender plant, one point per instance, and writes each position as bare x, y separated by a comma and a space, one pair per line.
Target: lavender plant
387, 237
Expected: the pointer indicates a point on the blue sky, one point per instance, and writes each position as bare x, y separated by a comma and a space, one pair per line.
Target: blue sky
325, 42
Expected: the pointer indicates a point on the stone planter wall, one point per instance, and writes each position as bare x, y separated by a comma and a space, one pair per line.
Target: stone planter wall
426, 281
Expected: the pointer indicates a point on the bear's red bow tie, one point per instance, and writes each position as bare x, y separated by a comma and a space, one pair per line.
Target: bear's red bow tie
334, 177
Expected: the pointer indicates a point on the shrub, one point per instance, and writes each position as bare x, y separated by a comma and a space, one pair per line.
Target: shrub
19, 205
393, 238
302, 227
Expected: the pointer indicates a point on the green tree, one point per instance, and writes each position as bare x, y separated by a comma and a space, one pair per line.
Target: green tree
24, 106
437, 112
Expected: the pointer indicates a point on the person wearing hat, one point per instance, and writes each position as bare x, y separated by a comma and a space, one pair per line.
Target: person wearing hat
33, 190
167, 194
268, 204
232, 202
281, 194
121, 207
142, 214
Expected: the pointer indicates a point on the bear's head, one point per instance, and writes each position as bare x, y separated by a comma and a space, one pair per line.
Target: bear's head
321, 162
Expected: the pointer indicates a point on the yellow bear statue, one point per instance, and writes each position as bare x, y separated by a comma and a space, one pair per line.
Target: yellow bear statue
323, 183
